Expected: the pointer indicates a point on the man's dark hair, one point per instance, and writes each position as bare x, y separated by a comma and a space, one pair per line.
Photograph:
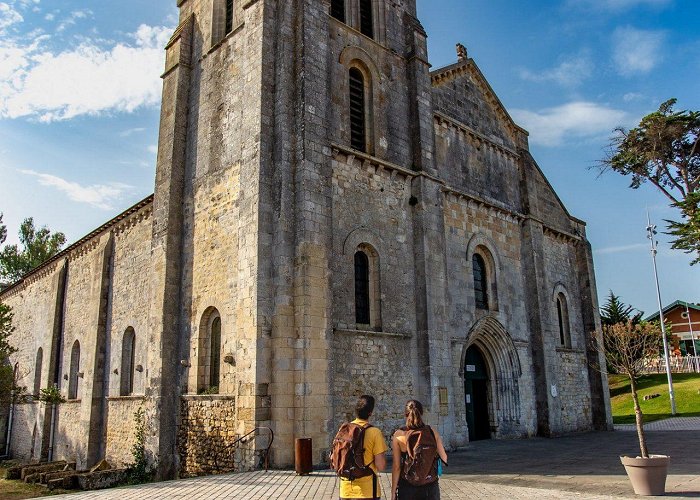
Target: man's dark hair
364, 407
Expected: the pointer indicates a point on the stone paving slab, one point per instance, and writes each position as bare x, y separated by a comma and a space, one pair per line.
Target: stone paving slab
287, 485
582, 466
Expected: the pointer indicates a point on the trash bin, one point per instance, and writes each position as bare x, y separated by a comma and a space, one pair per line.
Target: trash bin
302, 456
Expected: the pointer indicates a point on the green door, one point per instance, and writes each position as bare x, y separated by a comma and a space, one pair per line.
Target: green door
476, 395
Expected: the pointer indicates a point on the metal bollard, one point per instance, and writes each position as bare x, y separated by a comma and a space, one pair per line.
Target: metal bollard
302, 456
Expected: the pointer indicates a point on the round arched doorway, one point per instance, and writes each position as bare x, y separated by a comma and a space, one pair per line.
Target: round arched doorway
476, 395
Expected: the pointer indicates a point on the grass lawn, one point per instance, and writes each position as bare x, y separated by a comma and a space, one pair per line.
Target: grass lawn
686, 387
17, 490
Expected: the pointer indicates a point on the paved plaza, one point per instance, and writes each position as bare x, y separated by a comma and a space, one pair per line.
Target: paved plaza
582, 466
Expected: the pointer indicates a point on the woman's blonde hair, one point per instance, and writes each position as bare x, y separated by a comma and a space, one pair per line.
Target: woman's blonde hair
414, 414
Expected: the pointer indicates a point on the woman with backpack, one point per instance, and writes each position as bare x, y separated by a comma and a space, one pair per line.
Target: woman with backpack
417, 449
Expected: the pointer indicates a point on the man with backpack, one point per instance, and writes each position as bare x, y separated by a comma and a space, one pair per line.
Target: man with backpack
358, 454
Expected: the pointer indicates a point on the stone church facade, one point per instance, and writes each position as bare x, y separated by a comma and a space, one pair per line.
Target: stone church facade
331, 217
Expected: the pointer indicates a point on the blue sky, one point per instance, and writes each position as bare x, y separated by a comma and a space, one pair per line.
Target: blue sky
79, 96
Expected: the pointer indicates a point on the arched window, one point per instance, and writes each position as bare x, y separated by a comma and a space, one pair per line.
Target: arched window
563, 320
358, 125
209, 357
37, 371
74, 371
366, 21
126, 387
338, 10
368, 313
481, 293
215, 366
229, 16
362, 288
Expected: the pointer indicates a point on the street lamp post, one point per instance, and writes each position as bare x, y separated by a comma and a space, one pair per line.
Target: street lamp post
690, 327
651, 234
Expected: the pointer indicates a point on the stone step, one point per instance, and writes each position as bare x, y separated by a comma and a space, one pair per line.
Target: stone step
28, 470
63, 483
66, 471
100, 479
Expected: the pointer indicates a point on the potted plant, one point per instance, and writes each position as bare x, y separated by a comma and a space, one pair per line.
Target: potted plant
626, 346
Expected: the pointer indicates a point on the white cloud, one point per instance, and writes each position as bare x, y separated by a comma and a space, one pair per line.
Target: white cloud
575, 120
569, 73
131, 131
636, 51
153, 149
8, 16
97, 195
73, 19
621, 249
632, 96
619, 5
85, 80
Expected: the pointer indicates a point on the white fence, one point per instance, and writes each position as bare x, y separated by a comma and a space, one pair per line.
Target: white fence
679, 364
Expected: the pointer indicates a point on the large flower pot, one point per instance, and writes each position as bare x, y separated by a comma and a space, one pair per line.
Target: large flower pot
648, 475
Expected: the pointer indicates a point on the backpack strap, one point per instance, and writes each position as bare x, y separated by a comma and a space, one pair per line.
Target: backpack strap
374, 474
374, 485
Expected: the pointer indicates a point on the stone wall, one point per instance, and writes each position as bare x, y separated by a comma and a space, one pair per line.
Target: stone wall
571, 407
379, 364
469, 161
121, 430
25, 444
460, 91
129, 293
70, 442
208, 427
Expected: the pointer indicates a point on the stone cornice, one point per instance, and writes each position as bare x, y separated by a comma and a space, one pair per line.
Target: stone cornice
506, 213
443, 119
498, 209
371, 333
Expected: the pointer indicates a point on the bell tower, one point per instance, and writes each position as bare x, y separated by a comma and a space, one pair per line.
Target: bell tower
260, 98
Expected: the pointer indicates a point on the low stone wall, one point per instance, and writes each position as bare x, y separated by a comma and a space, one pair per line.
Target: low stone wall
207, 431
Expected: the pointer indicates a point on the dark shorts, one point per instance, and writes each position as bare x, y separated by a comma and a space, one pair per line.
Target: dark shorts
407, 491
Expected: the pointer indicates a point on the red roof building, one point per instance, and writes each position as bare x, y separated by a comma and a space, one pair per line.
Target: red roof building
685, 320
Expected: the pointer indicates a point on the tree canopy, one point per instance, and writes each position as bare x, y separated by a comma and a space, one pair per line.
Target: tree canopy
615, 311
36, 246
625, 345
6, 349
665, 151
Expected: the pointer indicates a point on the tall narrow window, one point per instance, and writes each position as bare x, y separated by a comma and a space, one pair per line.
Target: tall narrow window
229, 16
563, 318
480, 282
362, 288
357, 110
338, 10
74, 371
366, 21
215, 366
37, 371
128, 362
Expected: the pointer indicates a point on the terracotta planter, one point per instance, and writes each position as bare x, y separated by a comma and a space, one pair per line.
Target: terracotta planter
648, 475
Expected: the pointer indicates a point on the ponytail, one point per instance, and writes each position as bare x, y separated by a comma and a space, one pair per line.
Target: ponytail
414, 414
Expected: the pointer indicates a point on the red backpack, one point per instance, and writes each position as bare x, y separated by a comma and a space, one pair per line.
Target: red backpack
348, 452
420, 463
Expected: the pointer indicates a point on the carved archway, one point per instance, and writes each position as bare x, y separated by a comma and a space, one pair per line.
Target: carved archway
504, 372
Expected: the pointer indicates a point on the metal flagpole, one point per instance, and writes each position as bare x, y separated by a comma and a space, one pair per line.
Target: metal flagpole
651, 234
